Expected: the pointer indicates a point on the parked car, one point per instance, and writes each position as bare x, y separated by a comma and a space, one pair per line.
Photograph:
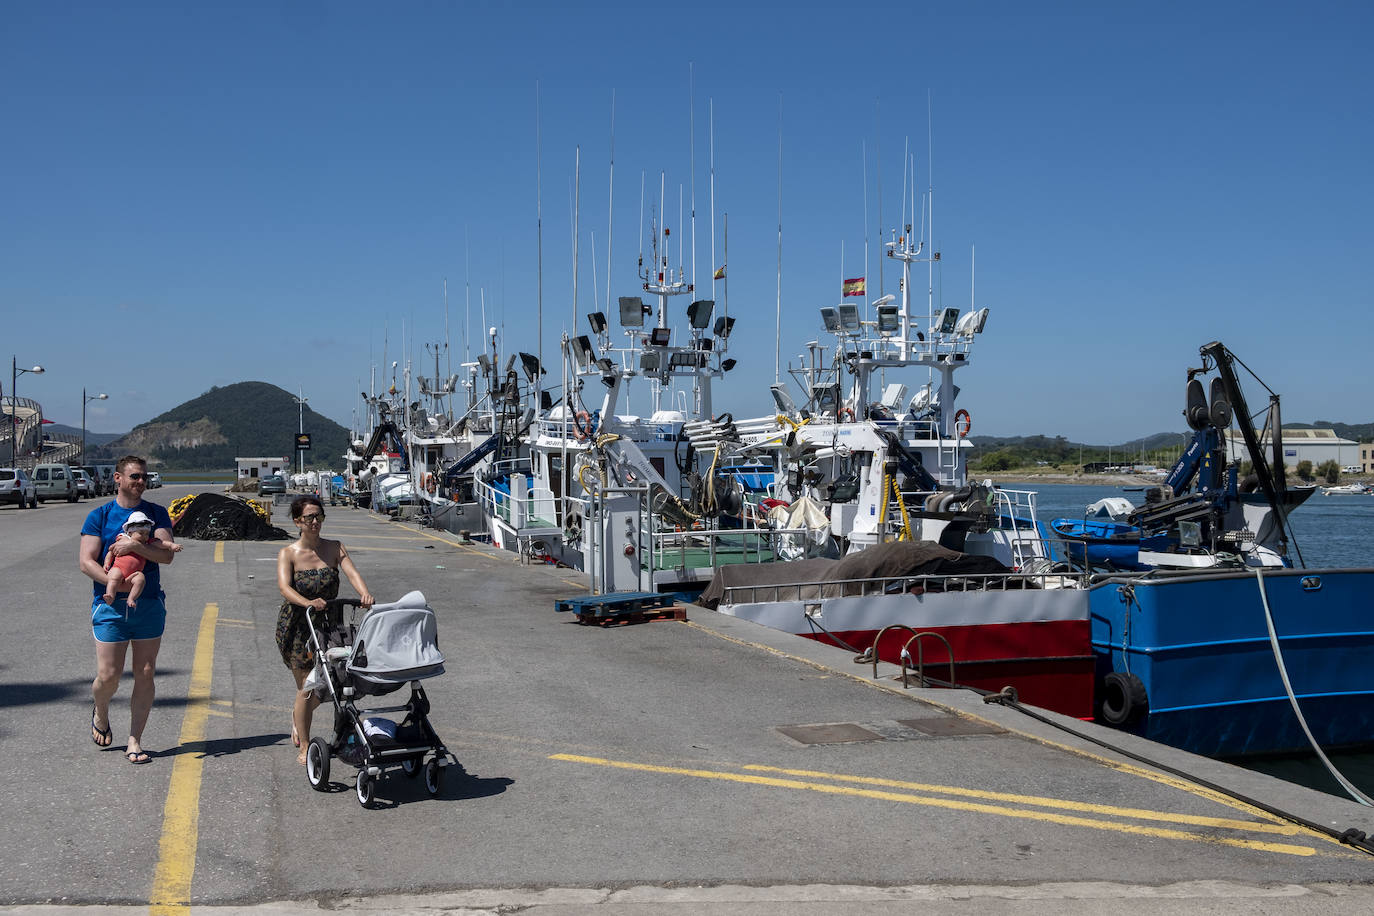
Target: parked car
154, 480
54, 481
16, 486
274, 483
85, 486
101, 488
106, 474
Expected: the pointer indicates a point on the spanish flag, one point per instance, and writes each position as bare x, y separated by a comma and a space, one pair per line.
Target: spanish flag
854, 287
720, 273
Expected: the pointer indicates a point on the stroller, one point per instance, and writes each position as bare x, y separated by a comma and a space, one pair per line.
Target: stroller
394, 645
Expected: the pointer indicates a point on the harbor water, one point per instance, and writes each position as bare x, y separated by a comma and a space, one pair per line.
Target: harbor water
1331, 531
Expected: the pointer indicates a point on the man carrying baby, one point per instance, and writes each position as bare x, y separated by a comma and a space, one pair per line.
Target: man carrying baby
118, 625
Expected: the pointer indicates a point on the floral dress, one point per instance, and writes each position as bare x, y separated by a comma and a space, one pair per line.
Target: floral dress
293, 631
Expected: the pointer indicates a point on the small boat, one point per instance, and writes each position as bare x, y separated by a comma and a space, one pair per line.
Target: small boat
1349, 489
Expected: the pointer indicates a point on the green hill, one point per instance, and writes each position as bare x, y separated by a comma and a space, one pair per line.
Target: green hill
246, 419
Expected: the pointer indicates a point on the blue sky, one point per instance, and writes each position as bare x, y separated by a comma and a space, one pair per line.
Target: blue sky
200, 194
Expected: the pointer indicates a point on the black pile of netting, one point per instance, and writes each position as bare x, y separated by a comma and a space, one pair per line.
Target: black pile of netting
212, 517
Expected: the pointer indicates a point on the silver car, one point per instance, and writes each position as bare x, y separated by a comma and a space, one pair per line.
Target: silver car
17, 487
86, 488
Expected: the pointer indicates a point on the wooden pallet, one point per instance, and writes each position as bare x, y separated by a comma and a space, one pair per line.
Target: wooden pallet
633, 616
612, 604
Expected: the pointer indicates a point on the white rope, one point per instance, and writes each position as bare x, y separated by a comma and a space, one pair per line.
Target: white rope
1292, 699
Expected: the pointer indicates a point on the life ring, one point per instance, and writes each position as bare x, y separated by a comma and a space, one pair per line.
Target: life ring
843, 411
428, 482
1124, 699
582, 424
968, 424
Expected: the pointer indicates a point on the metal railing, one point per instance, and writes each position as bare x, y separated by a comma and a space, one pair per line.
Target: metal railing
904, 584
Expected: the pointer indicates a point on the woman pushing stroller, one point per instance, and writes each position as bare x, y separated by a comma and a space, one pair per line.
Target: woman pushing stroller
308, 579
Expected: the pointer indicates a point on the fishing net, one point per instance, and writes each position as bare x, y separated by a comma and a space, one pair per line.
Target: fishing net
213, 517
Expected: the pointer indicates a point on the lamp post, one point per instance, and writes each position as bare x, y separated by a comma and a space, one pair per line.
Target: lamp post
300, 425
15, 372
84, 401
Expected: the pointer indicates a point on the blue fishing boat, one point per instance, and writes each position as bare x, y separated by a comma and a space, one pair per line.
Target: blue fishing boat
1229, 646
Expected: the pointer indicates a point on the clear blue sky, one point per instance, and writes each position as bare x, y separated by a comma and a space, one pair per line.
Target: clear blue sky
200, 194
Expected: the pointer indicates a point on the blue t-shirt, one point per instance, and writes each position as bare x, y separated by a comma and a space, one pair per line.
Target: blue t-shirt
107, 521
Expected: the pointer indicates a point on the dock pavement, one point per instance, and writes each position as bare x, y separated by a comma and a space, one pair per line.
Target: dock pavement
705, 766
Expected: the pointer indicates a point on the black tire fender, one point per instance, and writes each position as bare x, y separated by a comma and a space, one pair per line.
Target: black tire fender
1123, 700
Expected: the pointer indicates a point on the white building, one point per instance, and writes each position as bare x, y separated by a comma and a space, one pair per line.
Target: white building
253, 468
1315, 445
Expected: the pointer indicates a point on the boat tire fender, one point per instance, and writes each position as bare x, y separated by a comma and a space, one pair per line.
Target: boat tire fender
1124, 699
967, 420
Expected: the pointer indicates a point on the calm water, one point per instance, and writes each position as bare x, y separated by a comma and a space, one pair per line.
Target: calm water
1331, 531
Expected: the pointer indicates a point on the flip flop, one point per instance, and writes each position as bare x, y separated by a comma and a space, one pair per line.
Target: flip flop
100, 736
137, 757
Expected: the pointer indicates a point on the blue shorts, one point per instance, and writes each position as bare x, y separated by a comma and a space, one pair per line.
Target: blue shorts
119, 624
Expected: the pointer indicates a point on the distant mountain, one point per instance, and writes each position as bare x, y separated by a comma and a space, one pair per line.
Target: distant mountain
243, 420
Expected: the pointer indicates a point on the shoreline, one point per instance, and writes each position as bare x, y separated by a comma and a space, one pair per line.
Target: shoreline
1094, 480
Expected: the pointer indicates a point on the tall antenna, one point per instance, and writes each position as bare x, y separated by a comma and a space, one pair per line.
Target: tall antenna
878, 162
692, 160
777, 347
577, 206
863, 150
610, 204
711, 108
539, 235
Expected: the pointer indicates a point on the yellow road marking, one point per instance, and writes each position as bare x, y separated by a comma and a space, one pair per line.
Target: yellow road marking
219, 551
1044, 816
176, 861
368, 548
1174, 782
1043, 802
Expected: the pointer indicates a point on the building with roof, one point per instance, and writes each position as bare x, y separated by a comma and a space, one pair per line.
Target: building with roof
1315, 445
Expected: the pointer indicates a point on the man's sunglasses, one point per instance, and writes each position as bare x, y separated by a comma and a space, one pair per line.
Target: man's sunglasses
136, 476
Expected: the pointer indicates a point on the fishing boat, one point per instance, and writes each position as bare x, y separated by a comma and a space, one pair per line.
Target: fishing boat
1230, 645
956, 577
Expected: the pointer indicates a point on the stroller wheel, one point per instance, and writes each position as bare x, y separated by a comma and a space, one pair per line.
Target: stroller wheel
367, 788
317, 765
411, 767
434, 777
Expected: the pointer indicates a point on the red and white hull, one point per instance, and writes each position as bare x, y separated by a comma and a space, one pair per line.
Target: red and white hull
1038, 641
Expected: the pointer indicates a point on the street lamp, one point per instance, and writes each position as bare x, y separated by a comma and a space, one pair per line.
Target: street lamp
15, 372
300, 425
84, 401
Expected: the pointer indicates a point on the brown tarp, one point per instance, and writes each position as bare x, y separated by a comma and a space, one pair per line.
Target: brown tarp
882, 561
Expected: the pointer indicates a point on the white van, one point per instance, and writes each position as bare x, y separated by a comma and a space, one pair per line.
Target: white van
54, 481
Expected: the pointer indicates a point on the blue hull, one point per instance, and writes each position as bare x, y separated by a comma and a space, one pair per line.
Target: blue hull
1200, 646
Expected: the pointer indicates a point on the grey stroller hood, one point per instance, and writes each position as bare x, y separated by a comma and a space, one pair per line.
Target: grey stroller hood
397, 643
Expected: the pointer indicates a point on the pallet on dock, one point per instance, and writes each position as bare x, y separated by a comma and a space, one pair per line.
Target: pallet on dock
621, 607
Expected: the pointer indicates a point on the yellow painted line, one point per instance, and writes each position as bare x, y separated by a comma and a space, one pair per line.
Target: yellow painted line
234, 620
219, 551
953, 804
1043, 802
219, 713
176, 860
368, 548
1173, 782
385, 537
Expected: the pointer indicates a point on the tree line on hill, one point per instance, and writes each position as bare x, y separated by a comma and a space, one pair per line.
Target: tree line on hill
243, 420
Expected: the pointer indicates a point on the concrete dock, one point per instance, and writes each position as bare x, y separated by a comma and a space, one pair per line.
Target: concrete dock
698, 766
